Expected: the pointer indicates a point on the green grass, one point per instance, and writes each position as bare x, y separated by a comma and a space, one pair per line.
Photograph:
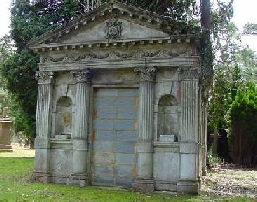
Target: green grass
15, 185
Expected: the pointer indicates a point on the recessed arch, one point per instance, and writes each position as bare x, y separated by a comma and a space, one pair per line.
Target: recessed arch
167, 127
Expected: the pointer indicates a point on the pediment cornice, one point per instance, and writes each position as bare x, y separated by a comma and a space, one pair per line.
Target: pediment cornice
108, 10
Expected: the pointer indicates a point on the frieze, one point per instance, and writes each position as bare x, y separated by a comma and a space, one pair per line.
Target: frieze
188, 73
118, 55
44, 77
146, 73
84, 76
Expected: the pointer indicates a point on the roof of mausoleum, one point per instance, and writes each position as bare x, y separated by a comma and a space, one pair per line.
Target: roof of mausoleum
161, 30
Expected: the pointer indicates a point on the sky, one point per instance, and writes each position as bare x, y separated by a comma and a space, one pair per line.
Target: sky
244, 11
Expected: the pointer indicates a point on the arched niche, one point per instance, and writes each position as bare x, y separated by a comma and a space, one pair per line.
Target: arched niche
168, 125
63, 121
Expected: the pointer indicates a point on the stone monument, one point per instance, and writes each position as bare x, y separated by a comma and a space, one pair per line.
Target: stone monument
5, 132
120, 103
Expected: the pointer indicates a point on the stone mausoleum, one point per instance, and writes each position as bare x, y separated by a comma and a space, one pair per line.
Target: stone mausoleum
120, 103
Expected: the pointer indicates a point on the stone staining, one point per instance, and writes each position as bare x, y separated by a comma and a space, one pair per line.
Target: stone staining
167, 118
80, 132
189, 104
147, 76
144, 181
44, 103
44, 77
82, 76
163, 163
146, 73
113, 29
63, 120
83, 79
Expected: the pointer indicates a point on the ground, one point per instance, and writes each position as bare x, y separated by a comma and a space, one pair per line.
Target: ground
230, 181
222, 183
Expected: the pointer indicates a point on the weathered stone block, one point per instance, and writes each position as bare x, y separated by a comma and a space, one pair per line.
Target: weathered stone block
111, 92
124, 147
104, 158
145, 186
123, 171
187, 186
127, 92
125, 158
127, 114
127, 102
166, 166
103, 169
188, 166
105, 135
105, 102
106, 113
103, 125
124, 125
127, 136
103, 146
189, 148
124, 181
103, 180
61, 162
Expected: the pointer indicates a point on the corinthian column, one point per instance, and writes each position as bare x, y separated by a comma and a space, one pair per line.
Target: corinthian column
144, 148
80, 131
43, 125
189, 131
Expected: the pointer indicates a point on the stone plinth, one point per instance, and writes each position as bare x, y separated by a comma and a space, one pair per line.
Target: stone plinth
5, 135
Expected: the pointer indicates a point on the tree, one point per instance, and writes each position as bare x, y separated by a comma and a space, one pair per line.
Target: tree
5, 52
244, 130
224, 44
250, 28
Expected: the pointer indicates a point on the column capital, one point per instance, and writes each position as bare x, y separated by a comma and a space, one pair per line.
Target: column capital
83, 76
146, 73
187, 73
44, 77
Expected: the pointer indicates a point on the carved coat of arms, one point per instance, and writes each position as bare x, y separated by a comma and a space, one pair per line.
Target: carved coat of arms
113, 29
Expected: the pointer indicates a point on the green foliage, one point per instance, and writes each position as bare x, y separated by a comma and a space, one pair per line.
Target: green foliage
5, 52
250, 28
18, 71
244, 129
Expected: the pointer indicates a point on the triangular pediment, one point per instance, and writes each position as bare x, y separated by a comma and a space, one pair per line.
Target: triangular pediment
112, 29
109, 22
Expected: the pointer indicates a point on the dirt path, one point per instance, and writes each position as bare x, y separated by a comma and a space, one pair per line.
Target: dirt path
229, 181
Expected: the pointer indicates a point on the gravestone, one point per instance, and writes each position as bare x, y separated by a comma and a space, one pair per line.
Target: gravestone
5, 135
120, 103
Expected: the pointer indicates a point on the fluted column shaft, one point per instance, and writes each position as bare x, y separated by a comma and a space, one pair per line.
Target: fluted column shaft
80, 131
144, 148
146, 111
189, 131
189, 110
43, 125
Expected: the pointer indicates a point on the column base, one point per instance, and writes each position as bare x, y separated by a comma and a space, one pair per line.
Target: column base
188, 186
143, 185
80, 180
41, 177
6, 148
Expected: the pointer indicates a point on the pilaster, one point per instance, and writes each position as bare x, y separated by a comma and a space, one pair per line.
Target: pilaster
80, 131
144, 148
43, 125
189, 131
